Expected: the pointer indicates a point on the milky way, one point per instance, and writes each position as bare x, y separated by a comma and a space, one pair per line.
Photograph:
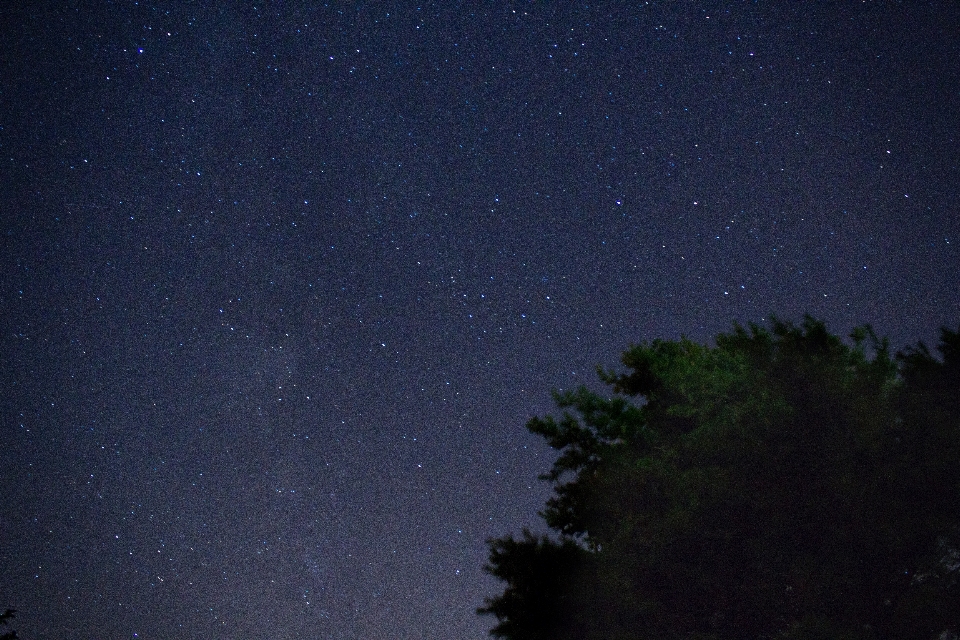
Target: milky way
283, 283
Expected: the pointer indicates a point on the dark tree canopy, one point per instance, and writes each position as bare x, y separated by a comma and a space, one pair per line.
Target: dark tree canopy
782, 484
5, 618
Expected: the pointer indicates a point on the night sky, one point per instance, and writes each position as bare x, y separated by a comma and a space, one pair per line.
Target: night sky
281, 284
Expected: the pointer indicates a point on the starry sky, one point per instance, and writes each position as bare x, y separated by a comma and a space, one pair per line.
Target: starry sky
283, 281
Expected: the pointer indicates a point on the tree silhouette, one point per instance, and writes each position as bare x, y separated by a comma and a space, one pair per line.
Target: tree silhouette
5, 618
782, 484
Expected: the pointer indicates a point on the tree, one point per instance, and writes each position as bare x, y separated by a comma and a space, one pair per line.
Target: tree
5, 618
782, 484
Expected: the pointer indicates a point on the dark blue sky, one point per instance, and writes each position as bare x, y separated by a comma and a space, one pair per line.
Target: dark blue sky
282, 283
